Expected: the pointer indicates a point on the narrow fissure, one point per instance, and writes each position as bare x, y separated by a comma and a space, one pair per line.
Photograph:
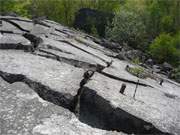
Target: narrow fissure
77, 102
61, 99
71, 62
18, 46
124, 80
16, 19
57, 49
15, 24
46, 25
88, 44
67, 42
6, 31
89, 107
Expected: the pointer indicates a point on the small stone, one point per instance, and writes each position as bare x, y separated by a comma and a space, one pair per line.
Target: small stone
150, 62
166, 67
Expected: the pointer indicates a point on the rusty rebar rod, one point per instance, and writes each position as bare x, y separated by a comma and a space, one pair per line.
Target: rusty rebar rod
136, 89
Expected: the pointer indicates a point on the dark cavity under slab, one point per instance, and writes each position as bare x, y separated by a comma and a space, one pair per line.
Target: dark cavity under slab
17, 46
94, 110
61, 99
97, 112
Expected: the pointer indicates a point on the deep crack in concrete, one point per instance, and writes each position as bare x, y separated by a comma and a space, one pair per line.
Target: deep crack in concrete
89, 107
97, 112
73, 62
46, 93
15, 24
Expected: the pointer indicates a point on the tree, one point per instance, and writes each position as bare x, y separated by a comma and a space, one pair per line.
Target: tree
127, 27
163, 16
164, 48
6, 5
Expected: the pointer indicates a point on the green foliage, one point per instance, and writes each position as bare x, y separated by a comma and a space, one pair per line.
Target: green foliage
19, 7
167, 24
137, 23
176, 74
176, 40
163, 16
137, 71
57, 10
94, 31
64, 11
127, 27
164, 48
101, 5
176, 43
6, 5
136, 61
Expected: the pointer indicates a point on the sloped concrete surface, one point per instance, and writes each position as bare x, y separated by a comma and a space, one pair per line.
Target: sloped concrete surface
23, 112
56, 80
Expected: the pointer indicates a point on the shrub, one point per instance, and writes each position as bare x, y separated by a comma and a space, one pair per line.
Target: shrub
176, 74
137, 71
20, 7
176, 40
164, 48
167, 24
136, 61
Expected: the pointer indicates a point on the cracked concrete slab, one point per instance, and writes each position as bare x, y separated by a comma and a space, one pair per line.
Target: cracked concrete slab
23, 112
9, 27
58, 76
150, 104
13, 39
118, 69
39, 83
75, 53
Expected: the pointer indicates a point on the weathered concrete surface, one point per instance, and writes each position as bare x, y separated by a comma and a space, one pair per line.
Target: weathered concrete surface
150, 105
9, 28
118, 69
14, 41
23, 112
72, 52
52, 65
57, 77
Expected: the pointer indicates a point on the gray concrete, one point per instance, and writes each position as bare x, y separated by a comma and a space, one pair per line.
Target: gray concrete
45, 89
23, 112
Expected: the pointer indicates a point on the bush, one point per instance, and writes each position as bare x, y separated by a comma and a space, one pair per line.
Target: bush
176, 74
6, 6
176, 41
137, 71
136, 61
164, 49
167, 24
19, 7
127, 27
